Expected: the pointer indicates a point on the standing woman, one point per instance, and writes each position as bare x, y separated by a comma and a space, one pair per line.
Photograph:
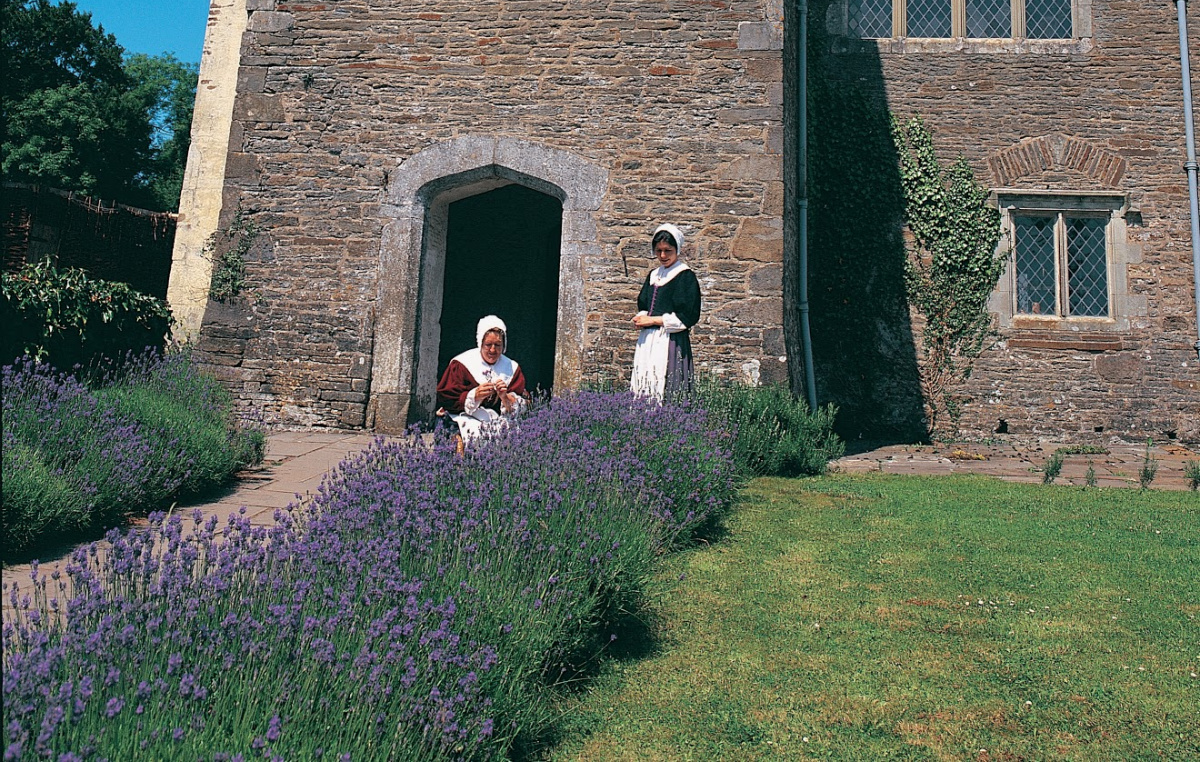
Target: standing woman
668, 306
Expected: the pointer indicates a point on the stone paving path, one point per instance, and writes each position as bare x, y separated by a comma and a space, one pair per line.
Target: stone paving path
293, 466
296, 461
1119, 467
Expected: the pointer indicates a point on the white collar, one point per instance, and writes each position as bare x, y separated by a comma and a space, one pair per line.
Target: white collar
662, 275
503, 369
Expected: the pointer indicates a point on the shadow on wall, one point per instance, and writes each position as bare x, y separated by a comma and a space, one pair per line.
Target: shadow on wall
863, 344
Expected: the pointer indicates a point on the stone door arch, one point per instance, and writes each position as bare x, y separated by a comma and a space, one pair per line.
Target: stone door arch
413, 249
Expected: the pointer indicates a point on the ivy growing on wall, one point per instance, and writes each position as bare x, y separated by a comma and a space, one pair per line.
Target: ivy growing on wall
228, 249
951, 269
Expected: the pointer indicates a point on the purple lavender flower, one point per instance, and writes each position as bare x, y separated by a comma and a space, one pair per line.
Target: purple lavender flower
422, 599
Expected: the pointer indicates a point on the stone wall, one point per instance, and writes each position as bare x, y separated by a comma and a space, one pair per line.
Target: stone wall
677, 106
203, 191
356, 123
1102, 114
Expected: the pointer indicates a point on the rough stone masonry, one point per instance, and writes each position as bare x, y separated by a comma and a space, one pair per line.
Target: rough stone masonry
355, 122
348, 130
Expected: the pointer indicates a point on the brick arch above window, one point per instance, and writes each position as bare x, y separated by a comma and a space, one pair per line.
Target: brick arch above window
1035, 156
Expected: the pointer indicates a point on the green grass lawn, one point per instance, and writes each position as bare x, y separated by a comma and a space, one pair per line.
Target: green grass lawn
889, 617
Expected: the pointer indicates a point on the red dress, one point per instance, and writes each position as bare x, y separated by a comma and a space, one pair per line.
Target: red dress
467, 371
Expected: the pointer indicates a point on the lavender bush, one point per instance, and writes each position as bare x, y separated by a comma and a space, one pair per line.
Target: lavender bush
186, 415
775, 433
421, 606
57, 433
76, 459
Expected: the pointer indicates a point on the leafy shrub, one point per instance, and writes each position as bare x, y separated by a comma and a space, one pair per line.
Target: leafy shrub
64, 318
58, 426
1191, 472
185, 413
38, 499
1052, 467
1149, 467
77, 459
423, 606
775, 433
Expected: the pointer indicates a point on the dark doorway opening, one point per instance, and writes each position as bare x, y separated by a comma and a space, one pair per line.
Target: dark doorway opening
502, 258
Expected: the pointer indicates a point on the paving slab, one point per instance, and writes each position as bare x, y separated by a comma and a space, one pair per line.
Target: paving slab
1119, 465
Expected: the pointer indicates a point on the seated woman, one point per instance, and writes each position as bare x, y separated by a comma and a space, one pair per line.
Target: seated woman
482, 385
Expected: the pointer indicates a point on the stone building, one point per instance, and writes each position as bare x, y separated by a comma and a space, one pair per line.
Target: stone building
411, 166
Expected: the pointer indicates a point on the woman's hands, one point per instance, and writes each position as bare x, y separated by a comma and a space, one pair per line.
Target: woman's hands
646, 321
491, 390
496, 390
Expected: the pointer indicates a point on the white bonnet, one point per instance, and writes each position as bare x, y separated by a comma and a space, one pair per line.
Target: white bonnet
675, 232
490, 323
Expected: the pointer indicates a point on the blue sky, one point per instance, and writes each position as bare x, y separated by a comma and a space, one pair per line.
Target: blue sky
153, 26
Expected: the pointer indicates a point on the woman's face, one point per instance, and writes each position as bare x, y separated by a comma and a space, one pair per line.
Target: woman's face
493, 347
665, 253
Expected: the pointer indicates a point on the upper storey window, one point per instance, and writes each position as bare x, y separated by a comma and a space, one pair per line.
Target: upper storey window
978, 19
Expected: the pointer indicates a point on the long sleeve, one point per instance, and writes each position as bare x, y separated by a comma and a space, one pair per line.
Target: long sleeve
456, 383
687, 298
684, 302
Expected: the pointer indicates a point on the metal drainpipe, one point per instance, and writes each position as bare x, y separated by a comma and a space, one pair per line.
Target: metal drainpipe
1190, 166
810, 382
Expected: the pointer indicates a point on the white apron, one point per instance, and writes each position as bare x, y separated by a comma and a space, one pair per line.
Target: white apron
652, 354
475, 418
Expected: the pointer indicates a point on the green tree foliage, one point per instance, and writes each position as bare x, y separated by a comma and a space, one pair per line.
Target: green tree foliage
169, 86
76, 116
951, 269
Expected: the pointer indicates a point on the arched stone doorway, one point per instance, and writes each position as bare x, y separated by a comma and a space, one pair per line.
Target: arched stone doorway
502, 259
413, 260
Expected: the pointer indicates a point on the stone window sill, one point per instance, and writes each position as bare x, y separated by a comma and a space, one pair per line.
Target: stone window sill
1089, 336
968, 45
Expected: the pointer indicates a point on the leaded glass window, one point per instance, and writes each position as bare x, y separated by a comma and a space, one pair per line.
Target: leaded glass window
989, 18
1061, 264
1087, 267
1036, 277
974, 19
1048, 19
871, 18
929, 18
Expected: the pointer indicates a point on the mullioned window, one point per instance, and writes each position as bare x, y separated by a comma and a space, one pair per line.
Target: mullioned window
971, 19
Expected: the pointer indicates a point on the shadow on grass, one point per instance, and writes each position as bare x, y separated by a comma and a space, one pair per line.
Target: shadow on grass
625, 632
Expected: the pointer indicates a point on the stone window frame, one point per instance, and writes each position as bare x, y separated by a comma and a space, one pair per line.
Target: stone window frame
838, 23
1124, 307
